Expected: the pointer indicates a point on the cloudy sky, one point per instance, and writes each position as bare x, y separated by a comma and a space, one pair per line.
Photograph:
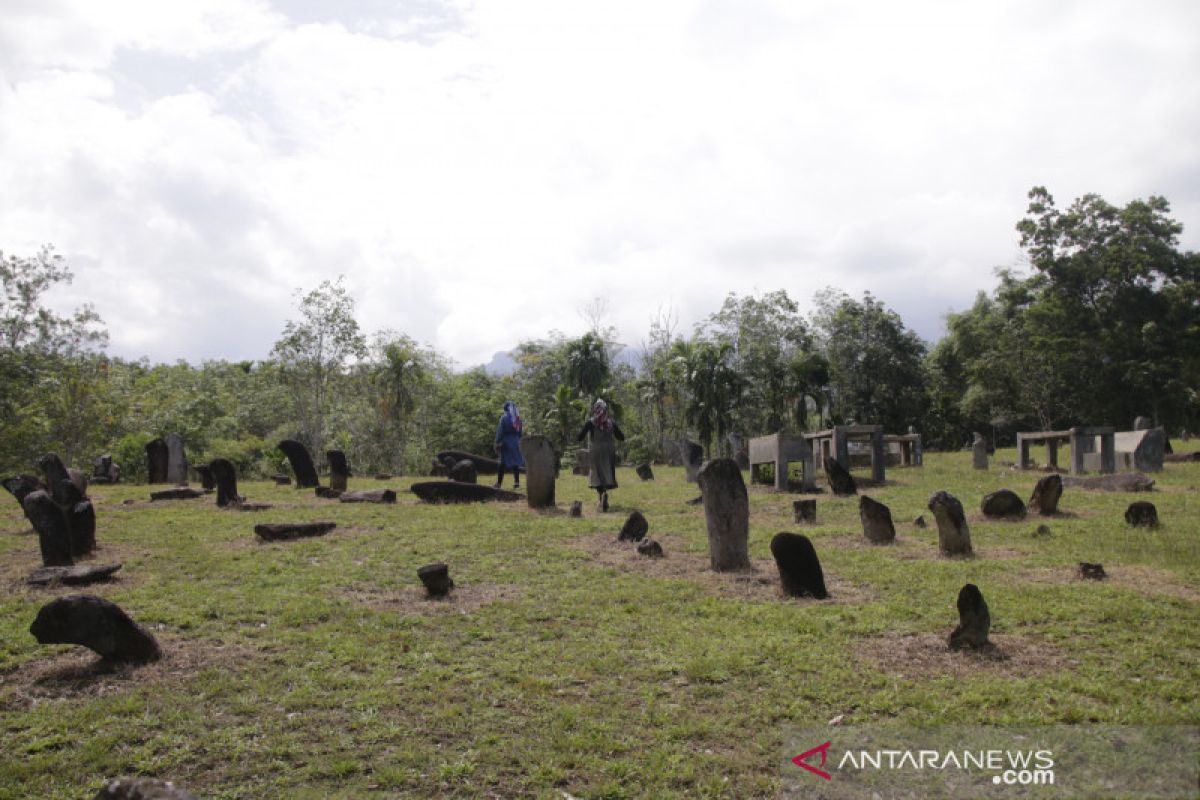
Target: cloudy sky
481, 172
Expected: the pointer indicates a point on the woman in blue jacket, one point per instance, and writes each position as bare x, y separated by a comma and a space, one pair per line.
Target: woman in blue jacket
508, 444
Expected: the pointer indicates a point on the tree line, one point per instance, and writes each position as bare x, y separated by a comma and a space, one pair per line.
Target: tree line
1104, 326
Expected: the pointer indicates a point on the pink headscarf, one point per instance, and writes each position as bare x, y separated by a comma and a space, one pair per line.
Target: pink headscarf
600, 418
514, 417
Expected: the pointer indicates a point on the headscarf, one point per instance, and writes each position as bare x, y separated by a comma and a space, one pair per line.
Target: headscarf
600, 418
513, 416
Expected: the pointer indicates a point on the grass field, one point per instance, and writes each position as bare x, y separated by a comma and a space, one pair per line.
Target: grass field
565, 663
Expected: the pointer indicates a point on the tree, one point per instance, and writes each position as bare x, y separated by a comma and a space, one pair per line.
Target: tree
875, 364
587, 365
313, 352
714, 388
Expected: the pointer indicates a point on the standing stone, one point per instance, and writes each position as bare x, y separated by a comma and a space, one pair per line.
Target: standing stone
1002, 504
649, 548
693, 459
207, 481
156, 461
436, 578
727, 514
20, 486
177, 464
841, 482
954, 537
81, 522
339, 470
226, 477
876, 521
583, 462
1142, 515
576, 508
974, 620
979, 452
634, 529
463, 471
282, 479
54, 535
302, 463
805, 511
1046, 494
80, 479
95, 623
541, 469
919, 522
645, 472
799, 568
65, 491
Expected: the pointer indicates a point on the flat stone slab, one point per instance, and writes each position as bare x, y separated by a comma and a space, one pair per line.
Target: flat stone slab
280, 531
246, 506
1118, 482
77, 575
454, 492
178, 493
369, 496
483, 464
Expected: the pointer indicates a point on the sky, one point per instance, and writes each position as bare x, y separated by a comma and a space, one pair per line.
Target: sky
481, 173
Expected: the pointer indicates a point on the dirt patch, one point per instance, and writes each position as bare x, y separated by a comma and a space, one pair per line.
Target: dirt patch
413, 601
78, 673
924, 655
1144, 580
760, 583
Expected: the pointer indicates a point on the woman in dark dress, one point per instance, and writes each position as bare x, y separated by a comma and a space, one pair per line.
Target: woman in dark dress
508, 444
602, 450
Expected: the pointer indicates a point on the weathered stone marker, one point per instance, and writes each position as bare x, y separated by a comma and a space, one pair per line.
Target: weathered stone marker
20, 486
841, 482
634, 529
97, 624
979, 452
726, 513
463, 471
541, 470
645, 472
369, 496
226, 477
277, 531
876, 521
1092, 572
649, 548
339, 470
1045, 497
327, 493
805, 512
302, 463
974, 620
576, 508
177, 493
78, 575
1142, 515
693, 459
919, 522
454, 492
207, 482
799, 568
67, 489
1002, 504
954, 537
177, 464
156, 461
54, 535
142, 789
436, 578
281, 479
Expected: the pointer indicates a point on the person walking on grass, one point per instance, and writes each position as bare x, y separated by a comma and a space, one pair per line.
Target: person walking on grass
508, 444
602, 450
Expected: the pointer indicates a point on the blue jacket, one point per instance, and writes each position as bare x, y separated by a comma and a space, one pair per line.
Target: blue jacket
508, 438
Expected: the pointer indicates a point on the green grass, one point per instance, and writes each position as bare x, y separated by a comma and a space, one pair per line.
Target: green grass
566, 664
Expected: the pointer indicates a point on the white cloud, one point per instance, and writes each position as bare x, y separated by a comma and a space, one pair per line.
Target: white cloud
480, 172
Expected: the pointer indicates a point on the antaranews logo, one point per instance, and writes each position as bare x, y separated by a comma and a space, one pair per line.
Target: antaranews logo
802, 760
1008, 767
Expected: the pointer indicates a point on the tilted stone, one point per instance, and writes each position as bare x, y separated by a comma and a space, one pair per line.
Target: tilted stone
1046, 494
1142, 515
454, 492
634, 529
645, 472
77, 575
876, 521
1003, 503
369, 496
63, 490
726, 514
54, 534
97, 624
841, 482
974, 620
20, 486
276, 531
800, 571
302, 463
954, 537
693, 459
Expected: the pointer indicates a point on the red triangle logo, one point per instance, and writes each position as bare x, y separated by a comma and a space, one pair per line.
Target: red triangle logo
801, 760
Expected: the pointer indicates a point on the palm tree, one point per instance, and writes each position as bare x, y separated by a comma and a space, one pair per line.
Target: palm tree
587, 365
714, 388
565, 414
